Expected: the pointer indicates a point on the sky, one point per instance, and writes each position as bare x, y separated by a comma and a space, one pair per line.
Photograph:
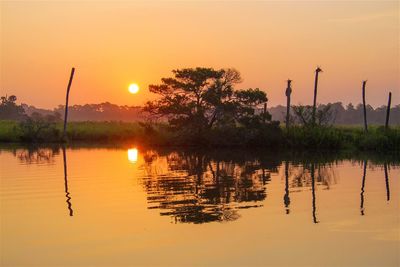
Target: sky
115, 43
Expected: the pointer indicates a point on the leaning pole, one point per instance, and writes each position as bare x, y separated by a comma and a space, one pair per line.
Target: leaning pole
388, 110
317, 71
66, 103
288, 93
364, 107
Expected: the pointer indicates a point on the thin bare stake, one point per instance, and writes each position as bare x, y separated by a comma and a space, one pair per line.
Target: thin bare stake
66, 103
317, 71
388, 110
364, 107
288, 93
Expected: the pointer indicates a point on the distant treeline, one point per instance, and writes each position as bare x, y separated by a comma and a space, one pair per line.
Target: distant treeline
339, 115
94, 112
349, 115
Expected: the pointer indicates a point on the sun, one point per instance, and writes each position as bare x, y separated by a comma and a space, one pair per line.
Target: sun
133, 88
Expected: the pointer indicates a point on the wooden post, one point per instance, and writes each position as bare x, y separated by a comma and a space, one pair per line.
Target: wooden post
66, 103
317, 71
288, 93
388, 110
364, 107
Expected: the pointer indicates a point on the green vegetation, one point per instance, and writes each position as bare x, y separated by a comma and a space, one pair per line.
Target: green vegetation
297, 137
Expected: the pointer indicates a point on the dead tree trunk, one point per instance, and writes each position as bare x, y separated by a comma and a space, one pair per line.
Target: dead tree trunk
288, 93
66, 103
317, 71
364, 107
388, 110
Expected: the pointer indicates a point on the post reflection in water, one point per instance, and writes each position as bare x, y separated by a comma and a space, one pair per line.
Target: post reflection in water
286, 197
314, 209
362, 188
67, 194
385, 167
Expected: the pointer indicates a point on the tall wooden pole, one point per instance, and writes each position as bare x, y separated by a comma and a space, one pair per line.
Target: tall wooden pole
288, 93
317, 71
364, 107
388, 110
66, 103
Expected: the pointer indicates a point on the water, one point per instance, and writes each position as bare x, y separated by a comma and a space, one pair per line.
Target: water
127, 207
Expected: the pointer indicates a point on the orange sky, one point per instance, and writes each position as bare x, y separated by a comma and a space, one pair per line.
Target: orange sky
113, 44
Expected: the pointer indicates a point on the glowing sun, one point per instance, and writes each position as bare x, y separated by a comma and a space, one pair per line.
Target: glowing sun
133, 88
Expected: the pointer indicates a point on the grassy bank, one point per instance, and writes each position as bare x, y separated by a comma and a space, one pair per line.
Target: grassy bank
318, 138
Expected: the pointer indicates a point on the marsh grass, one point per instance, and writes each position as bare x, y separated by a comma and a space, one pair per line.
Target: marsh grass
296, 137
343, 137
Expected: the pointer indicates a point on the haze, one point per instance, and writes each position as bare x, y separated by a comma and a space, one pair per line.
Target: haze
112, 45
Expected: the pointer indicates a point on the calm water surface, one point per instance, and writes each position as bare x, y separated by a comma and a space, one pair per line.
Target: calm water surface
126, 207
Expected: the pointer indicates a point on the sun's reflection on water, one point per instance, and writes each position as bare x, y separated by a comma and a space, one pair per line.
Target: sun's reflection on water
133, 155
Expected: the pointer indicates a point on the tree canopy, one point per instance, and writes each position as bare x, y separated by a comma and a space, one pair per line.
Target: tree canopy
9, 110
197, 99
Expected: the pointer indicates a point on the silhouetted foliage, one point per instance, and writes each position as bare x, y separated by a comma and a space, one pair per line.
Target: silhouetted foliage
9, 110
37, 128
324, 115
197, 100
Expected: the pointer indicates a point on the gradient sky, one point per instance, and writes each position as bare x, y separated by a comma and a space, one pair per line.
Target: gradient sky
113, 44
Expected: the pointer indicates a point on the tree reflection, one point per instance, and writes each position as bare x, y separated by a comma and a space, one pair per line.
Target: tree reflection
37, 155
200, 188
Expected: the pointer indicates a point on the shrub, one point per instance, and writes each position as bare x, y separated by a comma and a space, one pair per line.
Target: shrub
39, 128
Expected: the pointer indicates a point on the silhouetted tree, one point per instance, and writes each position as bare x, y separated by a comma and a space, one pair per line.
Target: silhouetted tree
324, 115
9, 110
199, 99
40, 128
